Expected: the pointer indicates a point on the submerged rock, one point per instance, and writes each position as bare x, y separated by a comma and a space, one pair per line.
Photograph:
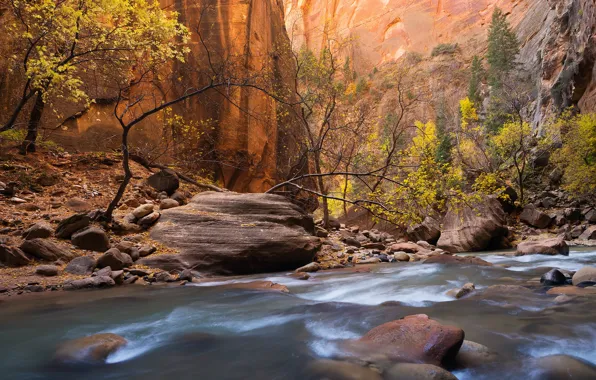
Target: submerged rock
560, 367
93, 349
413, 371
259, 285
339, 370
554, 277
553, 246
230, 233
453, 259
472, 354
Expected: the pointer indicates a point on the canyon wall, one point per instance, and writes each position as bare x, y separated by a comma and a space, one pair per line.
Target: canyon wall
557, 37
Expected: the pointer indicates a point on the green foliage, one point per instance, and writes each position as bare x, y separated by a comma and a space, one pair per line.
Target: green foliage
444, 49
476, 77
577, 157
59, 42
503, 48
445, 143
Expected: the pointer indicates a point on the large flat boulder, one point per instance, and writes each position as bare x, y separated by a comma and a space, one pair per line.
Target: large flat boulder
231, 233
476, 228
553, 246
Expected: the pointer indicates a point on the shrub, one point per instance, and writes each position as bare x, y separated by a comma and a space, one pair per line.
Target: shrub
444, 49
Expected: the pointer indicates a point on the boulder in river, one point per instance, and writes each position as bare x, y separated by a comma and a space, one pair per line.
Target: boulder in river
552, 246
259, 285
583, 275
231, 233
414, 339
554, 277
561, 367
472, 355
312, 267
467, 229
93, 349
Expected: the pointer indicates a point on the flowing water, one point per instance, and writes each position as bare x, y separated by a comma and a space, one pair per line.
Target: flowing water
213, 332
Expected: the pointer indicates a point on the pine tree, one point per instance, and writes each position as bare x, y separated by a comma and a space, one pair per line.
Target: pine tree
476, 76
503, 48
444, 147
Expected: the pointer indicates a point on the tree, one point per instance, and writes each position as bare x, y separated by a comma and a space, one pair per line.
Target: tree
59, 43
503, 48
577, 156
476, 77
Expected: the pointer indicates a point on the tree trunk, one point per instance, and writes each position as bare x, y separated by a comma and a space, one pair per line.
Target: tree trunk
322, 189
127, 176
28, 144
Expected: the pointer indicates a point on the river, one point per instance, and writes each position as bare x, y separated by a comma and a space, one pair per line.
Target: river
208, 331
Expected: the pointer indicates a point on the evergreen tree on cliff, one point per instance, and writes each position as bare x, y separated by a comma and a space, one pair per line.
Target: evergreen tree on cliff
503, 48
476, 76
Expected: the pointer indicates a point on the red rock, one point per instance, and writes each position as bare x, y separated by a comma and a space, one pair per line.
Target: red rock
415, 339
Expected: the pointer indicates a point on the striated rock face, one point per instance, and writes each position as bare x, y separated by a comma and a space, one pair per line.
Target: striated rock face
230, 233
557, 37
473, 229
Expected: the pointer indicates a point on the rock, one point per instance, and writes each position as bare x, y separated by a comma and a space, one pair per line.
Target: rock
573, 214
117, 276
115, 259
147, 250
186, 275
340, 370
148, 220
134, 254
132, 202
407, 247
93, 349
179, 197
559, 367
312, 267
81, 265
401, 256
588, 234
125, 246
477, 228
590, 215
78, 205
231, 233
39, 230
90, 282
92, 239
576, 232
472, 355
300, 276
351, 241
460, 260
46, 250
13, 256
583, 275
563, 299
572, 291
554, 277
28, 207
533, 217
164, 277
71, 225
553, 246
143, 211
130, 280
555, 176
47, 270
379, 246
105, 271
465, 290
500, 290
413, 371
139, 272
17, 200
370, 260
164, 180
259, 285
334, 224
168, 203
416, 339
321, 232
34, 288
428, 231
